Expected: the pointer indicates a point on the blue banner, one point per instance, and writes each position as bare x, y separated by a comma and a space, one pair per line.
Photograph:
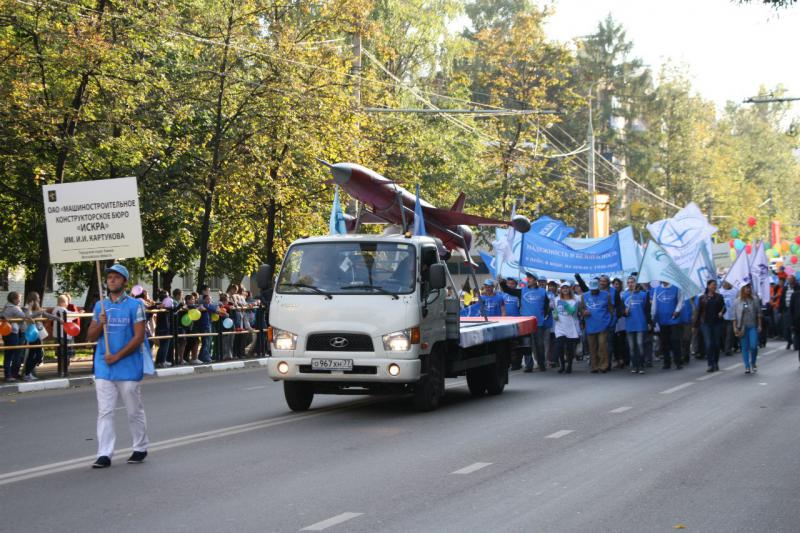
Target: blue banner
541, 253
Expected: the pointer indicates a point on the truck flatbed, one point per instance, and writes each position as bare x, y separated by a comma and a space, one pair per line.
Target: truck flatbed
475, 330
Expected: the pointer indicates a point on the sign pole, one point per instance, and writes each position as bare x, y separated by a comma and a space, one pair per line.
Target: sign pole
102, 305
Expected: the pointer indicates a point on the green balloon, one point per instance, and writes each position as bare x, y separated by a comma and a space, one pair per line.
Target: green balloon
186, 320
734, 233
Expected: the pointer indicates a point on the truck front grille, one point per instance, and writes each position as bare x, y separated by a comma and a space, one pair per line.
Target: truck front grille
339, 342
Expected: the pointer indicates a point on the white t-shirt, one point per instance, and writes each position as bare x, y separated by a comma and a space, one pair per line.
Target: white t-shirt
566, 325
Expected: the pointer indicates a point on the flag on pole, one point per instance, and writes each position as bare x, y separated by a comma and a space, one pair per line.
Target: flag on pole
703, 269
739, 273
336, 224
657, 265
681, 234
759, 270
419, 221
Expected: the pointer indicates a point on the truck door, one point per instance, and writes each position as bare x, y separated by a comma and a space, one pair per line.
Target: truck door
432, 326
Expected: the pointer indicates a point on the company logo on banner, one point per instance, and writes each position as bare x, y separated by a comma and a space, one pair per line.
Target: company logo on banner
551, 228
681, 235
541, 253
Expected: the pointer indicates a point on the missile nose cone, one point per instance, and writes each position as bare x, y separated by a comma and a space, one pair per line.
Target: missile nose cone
521, 224
341, 173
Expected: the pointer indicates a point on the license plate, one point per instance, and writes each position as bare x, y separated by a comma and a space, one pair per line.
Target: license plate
331, 364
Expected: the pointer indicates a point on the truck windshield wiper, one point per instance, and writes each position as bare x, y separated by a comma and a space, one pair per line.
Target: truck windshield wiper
312, 288
376, 288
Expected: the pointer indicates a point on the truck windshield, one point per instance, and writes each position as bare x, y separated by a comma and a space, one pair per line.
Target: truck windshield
349, 268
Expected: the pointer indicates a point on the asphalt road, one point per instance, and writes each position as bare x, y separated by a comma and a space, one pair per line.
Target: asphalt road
614, 452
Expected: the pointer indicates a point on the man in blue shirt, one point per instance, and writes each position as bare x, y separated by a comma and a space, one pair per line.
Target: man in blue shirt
119, 370
492, 302
533, 302
597, 311
667, 305
511, 301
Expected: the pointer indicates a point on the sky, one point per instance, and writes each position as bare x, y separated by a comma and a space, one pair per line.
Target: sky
730, 50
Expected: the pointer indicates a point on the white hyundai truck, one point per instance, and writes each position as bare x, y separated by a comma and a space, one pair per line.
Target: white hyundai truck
369, 314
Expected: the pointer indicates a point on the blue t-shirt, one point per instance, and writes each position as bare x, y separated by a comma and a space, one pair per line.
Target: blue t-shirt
685, 317
666, 300
471, 310
599, 317
635, 303
121, 315
493, 304
548, 320
512, 304
532, 303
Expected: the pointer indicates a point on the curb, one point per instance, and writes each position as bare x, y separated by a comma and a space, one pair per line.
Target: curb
67, 383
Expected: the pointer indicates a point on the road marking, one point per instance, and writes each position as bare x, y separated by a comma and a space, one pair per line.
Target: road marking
679, 387
471, 468
330, 522
559, 434
119, 408
255, 388
737, 365
762, 383
768, 352
709, 376
620, 409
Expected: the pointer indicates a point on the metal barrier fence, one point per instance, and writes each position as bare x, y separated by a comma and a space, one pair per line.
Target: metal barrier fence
63, 344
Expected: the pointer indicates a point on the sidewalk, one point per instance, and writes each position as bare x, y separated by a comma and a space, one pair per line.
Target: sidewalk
81, 374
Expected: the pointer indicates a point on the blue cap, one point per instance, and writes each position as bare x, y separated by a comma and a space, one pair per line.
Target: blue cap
594, 284
489, 283
119, 269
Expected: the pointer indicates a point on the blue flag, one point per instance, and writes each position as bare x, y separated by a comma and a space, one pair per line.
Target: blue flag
336, 223
419, 221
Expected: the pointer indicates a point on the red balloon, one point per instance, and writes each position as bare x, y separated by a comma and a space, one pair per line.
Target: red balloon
748, 248
751, 221
72, 329
5, 328
797, 239
731, 243
794, 259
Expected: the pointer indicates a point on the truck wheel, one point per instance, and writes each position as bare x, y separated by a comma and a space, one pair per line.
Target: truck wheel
430, 388
298, 395
476, 381
496, 377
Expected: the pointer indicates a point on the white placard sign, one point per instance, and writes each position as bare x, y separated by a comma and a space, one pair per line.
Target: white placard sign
93, 220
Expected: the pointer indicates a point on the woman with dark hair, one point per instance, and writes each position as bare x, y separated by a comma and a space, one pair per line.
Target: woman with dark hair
12, 359
566, 327
33, 309
747, 326
620, 342
710, 313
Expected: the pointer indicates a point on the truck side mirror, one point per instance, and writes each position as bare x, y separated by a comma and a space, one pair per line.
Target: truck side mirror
264, 277
437, 277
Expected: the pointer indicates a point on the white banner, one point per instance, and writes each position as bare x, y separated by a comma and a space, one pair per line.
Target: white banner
681, 235
93, 220
759, 270
657, 265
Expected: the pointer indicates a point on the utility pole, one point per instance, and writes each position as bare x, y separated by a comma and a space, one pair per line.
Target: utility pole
590, 170
356, 70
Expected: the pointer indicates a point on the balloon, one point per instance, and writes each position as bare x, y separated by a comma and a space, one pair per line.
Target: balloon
797, 239
731, 242
793, 259
194, 314
72, 329
785, 246
5, 328
794, 248
748, 248
167, 302
467, 298
751, 221
32, 334
137, 290
789, 270
214, 317
738, 244
227, 323
733, 254
186, 320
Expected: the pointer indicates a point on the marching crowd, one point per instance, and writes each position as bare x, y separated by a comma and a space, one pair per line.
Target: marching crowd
633, 325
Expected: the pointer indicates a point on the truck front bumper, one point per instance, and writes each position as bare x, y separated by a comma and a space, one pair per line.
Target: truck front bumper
364, 370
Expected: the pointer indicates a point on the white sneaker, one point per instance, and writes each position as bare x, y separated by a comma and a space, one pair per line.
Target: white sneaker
195, 362
167, 365
30, 377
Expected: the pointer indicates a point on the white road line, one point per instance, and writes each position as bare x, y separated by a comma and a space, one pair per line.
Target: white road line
471, 468
559, 434
737, 365
84, 462
771, 350
255, 388
677, 388
621, 409
709, 376
330, 522
762, 383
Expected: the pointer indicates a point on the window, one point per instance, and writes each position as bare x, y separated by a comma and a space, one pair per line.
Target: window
349, 268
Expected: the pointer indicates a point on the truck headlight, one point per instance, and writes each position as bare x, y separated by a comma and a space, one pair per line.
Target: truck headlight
401, 341
283, 340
